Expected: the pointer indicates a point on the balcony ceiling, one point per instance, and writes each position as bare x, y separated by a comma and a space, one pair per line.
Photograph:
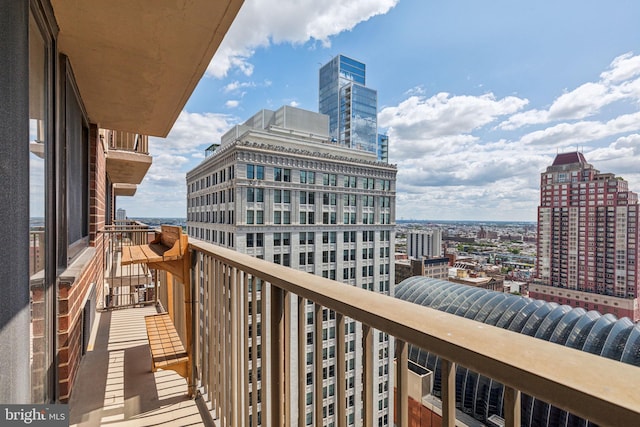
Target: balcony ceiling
137, 62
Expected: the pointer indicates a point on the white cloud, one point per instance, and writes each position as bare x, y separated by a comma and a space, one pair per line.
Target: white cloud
418, 124
232, 103
621, 81
565, 135
236, 86
192, 131
164, 186
261, 23
623, 67
451, 161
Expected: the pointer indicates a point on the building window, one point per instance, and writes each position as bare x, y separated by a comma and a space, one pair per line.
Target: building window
350, 181
330, 179
77, 168
307, 177
328, 217
307, 238
282, 175
282, 196
329, 199
255, 194
255, 172
307, 197
350, 199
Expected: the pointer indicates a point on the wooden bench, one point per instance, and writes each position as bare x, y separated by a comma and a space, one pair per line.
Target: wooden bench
169, 245
167, 351
168, 252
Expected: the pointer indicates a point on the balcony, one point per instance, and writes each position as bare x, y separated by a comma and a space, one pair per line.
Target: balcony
229, 292
128, 158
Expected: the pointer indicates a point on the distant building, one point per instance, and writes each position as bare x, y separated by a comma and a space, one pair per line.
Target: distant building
437, 268
587, 236
425, 244
476, 280
352, 107
121, 214
403, 270
383, 148
278, 189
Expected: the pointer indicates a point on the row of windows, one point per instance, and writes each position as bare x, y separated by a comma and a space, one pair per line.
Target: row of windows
216, 178
222, 196
222, 217
309, 217
215, 236
309, 177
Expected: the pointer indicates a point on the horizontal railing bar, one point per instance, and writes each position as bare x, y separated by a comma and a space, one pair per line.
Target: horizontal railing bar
598, 389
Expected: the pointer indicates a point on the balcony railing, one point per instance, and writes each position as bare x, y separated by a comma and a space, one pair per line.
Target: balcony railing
127, 141
132, 284
227, 288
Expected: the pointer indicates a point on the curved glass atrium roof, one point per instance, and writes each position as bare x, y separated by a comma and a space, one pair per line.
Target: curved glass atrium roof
605, 335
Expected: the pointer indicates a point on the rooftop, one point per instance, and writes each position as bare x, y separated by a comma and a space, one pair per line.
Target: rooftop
569, 158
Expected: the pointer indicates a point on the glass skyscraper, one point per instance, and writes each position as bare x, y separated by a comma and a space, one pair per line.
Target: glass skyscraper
351, 106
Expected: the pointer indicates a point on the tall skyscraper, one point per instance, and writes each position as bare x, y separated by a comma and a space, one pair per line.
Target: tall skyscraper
277, 188
351, 106
587, 236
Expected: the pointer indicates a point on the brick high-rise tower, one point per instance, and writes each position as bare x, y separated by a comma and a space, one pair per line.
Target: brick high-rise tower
587, 236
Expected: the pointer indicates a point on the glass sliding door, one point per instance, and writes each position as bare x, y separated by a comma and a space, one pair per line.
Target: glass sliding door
41, 291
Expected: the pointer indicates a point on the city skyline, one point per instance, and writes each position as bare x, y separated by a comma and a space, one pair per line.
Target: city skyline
489, 96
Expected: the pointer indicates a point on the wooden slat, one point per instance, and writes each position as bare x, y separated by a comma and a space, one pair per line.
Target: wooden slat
153, 252
126, 256
341, 387
170, 234
367, 376
512, 409
318, 365
169, 245
402, 378
448, 386
165, 344
302, 373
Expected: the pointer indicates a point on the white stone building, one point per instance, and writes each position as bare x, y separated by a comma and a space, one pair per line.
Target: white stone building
277, 188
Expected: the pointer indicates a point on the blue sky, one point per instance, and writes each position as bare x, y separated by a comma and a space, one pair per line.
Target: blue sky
477, 97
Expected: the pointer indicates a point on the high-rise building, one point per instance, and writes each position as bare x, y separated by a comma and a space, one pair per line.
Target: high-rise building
587, 236
277, 188
383, 148
425, 244
352, 107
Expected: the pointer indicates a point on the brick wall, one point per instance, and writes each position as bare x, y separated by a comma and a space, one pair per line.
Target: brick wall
419, 415
72, 296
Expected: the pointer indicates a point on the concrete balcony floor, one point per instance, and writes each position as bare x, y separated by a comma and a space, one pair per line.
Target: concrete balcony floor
115, 385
